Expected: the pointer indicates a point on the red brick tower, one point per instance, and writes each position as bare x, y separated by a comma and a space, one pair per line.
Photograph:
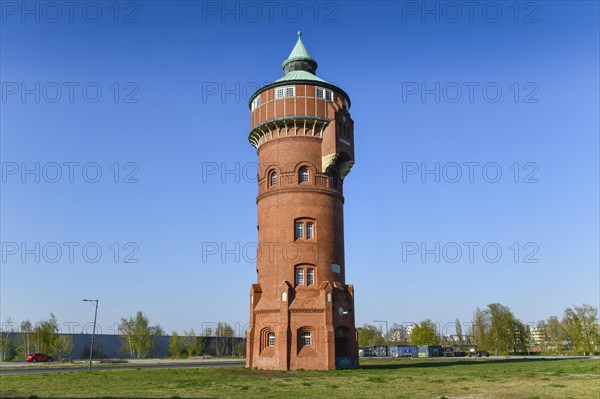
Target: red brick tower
301, 310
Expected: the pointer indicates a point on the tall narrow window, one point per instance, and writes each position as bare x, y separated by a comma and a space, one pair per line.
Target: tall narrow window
299, 276
305, 338
310, 230
304, 175
271, 339
256, 103
273, 178
299, 230
310, 276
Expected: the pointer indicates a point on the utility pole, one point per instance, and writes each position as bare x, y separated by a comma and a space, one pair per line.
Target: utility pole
386, 334
93, 330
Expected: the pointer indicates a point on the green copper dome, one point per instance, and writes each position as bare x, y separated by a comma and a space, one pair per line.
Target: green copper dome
299, 52
299, 75
299, 65
299, 68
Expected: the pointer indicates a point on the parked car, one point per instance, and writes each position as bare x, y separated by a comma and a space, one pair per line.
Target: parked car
473, 352
39, 357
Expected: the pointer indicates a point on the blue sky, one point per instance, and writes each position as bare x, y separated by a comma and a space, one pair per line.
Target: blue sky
500, 88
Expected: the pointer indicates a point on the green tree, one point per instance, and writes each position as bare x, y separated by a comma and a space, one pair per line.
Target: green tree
138, 335
7, 344
501, 326
45, 335
369, 335
555, 333
519, 336
580, 324
192, 344
424, 333
24, 348
175, 345
480, 329
497, 329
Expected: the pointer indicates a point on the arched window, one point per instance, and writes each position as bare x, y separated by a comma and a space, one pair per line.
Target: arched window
267, 342
305, 229
304, 175
304, 275
273, 178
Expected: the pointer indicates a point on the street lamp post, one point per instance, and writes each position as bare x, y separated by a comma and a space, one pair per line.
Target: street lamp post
93, 330
386, 334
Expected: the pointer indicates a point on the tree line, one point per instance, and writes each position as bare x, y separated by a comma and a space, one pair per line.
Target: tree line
43, 336
496, 329
139, 339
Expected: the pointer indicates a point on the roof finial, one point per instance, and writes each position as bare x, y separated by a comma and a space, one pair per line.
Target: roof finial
299, 59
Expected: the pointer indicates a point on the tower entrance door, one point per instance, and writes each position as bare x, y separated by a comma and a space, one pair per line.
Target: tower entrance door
343, 357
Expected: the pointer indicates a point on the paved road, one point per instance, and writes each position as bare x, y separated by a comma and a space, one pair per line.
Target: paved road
53, 368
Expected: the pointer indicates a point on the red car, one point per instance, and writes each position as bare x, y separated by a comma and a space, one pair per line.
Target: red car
39, 357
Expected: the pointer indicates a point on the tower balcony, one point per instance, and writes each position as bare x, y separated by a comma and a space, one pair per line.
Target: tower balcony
287, 126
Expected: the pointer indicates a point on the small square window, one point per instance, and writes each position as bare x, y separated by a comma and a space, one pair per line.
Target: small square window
289, 91
324, 93
305, 338
279, 93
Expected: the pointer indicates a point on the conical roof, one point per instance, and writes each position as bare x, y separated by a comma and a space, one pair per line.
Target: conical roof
299, 52
299, 65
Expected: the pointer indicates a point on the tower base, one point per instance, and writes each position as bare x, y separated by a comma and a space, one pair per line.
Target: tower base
312, 329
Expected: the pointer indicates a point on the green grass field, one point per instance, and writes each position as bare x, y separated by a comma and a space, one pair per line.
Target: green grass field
418, 378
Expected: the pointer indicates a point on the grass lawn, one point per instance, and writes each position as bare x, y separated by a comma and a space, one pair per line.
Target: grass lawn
418, 378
